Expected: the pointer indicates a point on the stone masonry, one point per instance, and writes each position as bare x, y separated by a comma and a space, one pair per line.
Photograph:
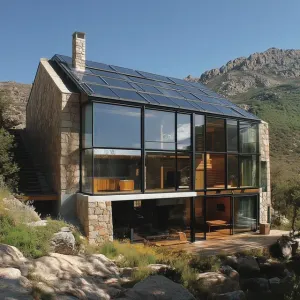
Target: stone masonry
53, 127
265, 196
78, 51
96, 219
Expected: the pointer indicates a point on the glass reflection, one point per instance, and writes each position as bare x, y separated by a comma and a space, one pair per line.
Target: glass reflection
117, 126
249, 170
215, 135
199, 132
233, 171
183, 132
159, 130
184, 162
232, 135
248, 137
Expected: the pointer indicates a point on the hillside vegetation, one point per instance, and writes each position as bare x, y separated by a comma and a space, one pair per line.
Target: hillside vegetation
267, 84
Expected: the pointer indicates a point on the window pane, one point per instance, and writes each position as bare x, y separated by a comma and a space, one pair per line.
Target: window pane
129, 95
215, 135
245, 214
159, 130
215, 171
160, 171
233, 171
87, 171
183, 132
87, 126
199, 172
199, 132
117, 126
117, 170
184, 162
248, 137
248, 171
232, 135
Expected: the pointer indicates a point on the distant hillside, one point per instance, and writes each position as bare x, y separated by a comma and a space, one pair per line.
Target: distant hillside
15, 96
267, 84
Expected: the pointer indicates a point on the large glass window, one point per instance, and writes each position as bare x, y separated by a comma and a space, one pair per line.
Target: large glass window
199, 172
184, 163
117, 170
199, 218
87, 171
199, 132
160, 220
87, 126
160, 171
245, 214
264, 176
232, 136
183, 132
248, 137
215, 171
117, 126
249, 171
159, 130
233, 171
215, 135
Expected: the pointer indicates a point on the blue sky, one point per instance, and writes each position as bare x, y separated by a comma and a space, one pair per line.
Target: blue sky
169, 37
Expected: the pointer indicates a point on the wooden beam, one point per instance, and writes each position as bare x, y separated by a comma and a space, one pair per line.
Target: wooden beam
50, 197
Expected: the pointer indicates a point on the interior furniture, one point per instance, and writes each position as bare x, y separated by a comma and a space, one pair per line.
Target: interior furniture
126, 185
216, 223
106, 184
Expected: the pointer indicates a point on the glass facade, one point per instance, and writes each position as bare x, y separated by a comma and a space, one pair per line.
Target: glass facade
129, 149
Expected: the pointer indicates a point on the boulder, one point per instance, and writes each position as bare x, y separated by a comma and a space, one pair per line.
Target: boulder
231, 261
63, 242
159, 268
285, 247
10, 273
215, 282
271, 268
230, 272
255, 285
157, 288
247, 266
236, 295
91, 277
11, 256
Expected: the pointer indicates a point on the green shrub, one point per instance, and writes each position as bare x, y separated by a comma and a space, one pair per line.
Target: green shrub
206, 264
33, 242
8, 168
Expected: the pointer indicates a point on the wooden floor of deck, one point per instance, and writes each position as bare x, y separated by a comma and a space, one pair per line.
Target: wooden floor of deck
220, 242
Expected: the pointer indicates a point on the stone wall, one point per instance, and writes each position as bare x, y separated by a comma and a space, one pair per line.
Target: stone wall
53, 128
96, 219
43, 124
265, 196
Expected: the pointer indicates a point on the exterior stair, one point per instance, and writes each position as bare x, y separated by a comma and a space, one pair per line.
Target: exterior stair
32, 180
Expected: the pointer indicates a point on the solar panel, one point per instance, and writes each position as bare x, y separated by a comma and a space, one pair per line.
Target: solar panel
117, 83
90, 78
150, 89
96, 65
126, 71
129, 95
170, 93
209, 108
183, 103
108, 81
188, 96
155, 76
102, 91
164, 100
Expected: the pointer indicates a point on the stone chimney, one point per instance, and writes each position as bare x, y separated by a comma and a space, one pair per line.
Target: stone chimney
78, 51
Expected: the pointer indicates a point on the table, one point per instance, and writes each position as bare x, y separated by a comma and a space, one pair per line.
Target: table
216, 223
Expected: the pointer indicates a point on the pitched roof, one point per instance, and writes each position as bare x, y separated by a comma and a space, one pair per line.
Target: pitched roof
112, 82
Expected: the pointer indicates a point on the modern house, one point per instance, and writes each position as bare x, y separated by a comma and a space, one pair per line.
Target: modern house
143, 156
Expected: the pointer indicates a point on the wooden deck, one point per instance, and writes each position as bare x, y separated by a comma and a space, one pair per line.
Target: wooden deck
218, 243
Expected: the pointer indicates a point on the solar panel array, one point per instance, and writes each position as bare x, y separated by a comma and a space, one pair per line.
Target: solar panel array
113, 82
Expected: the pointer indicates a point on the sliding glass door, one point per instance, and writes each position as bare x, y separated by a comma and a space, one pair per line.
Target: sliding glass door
245, 214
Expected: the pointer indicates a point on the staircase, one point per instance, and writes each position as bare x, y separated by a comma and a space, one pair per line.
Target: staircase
32, 182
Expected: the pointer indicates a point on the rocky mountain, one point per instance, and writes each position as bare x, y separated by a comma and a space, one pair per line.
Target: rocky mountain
267, 84
14, 98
